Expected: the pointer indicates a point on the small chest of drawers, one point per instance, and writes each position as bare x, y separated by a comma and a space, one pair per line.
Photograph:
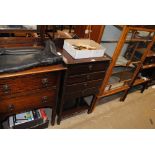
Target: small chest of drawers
83, 78
31, 89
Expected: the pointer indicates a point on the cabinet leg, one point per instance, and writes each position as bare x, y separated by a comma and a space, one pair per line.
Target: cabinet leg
124, 95
53, 117
1, 126
59, 120
59, 117
60, 112
93, 104
145, 85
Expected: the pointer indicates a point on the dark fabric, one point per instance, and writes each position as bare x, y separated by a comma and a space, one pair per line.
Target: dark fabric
17, 59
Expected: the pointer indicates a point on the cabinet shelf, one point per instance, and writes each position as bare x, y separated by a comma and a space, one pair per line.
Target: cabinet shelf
74, 109
148, 66
140, 81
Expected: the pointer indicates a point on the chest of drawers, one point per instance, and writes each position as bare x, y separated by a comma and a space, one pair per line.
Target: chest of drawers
83, 78
31, 89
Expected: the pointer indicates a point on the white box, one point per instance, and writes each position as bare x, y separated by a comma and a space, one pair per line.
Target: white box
84, 53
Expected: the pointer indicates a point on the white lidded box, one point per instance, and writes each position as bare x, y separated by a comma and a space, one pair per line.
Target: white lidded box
83, 48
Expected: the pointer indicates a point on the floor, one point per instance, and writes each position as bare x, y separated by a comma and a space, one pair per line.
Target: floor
138, 111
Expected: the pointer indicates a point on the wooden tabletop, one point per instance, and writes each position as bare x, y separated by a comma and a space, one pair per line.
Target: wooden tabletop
35, 70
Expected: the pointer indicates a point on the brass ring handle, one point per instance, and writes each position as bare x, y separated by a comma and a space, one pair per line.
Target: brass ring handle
83, 92
88, 77
11, 107
85, 84
45, 82
44, 99
6, 88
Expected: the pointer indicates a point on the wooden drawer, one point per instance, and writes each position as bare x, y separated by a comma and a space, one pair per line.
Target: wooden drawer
87, 68
82, 86
82, 93
42, 98
24, 84
85, 77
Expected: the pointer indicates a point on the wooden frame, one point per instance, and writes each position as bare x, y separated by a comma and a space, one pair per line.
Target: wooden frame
139, 66
40, 29
95, 32
34, 40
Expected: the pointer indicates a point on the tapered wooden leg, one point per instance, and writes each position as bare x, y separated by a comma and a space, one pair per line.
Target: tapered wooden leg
145, 86
60, 112
124, 95
59, 116
93, 104
59, 119
1, 126
53, 116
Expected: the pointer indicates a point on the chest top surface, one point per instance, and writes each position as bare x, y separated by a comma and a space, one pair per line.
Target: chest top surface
69, 60
36, 70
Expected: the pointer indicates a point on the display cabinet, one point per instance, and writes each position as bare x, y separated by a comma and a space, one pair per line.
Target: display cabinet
124, 71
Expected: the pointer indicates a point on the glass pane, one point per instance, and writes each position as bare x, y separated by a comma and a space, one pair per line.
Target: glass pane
129, 58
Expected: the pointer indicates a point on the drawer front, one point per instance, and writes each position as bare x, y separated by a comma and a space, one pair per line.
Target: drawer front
39, 99
11, 86
82, 93
85, 77
87, 68
82, 86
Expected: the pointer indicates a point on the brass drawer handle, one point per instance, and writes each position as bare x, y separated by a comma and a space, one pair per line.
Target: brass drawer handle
83, 92
11, 107
45, 82
85, 85
88, 77
44, 99
152, 60
90, 67
6, 88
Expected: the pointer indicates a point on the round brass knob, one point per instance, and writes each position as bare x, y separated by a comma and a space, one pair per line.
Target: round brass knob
45, 82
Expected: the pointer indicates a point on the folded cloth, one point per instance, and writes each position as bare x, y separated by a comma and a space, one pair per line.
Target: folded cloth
17, 59
122, 61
